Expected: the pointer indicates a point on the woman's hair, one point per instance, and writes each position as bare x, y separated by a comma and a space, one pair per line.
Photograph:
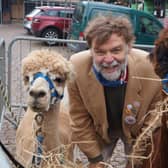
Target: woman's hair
102, 27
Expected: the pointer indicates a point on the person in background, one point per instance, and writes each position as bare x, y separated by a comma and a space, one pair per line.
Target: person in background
108, 98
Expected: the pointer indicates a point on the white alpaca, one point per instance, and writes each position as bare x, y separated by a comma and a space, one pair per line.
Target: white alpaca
45, 74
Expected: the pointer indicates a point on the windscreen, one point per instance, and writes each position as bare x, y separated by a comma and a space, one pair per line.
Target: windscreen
34, 12
78, 13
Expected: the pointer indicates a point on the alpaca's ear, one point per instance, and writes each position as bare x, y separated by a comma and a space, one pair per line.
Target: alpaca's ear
25, 77
71, 71
26, 80
151, 56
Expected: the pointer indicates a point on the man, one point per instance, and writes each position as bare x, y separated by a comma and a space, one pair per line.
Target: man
109, 98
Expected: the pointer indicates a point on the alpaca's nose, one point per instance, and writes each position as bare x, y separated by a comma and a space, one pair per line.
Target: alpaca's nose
37, 94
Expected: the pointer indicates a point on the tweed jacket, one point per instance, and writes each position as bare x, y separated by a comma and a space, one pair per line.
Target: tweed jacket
87, 101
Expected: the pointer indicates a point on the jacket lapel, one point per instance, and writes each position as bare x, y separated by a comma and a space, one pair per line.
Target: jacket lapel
132, 95
97, 103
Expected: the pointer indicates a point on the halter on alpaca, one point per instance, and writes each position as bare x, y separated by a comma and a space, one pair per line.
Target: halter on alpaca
54, 93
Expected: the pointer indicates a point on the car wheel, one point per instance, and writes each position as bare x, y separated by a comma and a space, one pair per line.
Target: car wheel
51, 33
29, 32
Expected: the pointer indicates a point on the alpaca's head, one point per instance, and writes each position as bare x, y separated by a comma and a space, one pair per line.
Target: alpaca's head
45, 74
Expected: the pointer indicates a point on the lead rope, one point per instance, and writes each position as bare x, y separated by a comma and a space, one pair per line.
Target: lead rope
10, 156
36, 160
39, 118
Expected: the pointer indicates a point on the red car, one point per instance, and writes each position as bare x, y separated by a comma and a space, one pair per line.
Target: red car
52, 22
29, 17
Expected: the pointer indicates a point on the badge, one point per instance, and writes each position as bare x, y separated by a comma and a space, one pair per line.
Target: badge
131, 111
130, 119
128, 109
136, 104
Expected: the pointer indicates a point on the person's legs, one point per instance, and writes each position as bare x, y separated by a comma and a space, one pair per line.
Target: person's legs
127, 149
108, 149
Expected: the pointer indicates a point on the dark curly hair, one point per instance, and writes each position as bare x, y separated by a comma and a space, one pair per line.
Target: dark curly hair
159, 56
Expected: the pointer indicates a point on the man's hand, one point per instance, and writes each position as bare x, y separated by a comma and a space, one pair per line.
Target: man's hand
96, 165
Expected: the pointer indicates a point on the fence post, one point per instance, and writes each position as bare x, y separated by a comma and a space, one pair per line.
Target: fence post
2, 72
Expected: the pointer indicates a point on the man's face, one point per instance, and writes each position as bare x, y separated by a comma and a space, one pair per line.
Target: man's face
110, 58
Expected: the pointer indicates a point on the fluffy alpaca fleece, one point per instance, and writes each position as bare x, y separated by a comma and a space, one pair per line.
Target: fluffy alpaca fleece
56, 129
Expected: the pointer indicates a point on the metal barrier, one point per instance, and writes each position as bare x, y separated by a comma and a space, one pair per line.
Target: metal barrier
144, 47
2, 75
18, 48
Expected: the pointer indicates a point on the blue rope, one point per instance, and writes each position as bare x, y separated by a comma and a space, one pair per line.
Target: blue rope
37, 160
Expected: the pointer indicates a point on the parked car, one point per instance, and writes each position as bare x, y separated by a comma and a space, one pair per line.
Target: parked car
28, 18
52, 22
146, 26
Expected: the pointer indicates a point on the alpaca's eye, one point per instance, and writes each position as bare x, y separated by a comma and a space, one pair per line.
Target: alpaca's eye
59, 80
26, 79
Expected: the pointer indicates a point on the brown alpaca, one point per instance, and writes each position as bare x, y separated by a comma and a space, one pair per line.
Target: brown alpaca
45, 74
157, 124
